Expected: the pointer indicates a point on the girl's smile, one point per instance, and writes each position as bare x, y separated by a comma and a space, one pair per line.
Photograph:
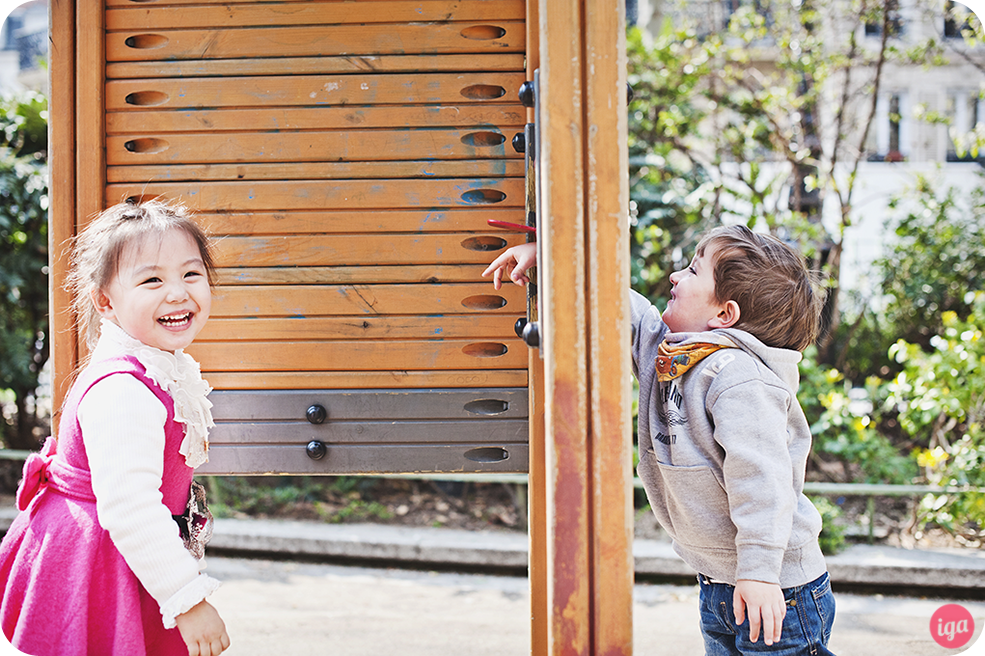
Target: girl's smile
160, 294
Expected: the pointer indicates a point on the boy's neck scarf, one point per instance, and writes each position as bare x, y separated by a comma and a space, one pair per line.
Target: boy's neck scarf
674, 360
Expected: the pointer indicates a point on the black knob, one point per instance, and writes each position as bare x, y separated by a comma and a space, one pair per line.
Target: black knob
527, 94
316, 450
531, 334
518, 326
629, 93
519, 143
316, 414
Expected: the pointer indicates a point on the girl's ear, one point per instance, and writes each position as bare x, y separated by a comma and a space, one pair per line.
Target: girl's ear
727, 317
103, 303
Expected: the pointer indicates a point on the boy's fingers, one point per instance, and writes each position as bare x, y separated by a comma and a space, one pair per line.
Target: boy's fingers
739, 606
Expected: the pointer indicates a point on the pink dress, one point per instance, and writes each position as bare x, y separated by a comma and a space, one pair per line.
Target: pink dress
66, 589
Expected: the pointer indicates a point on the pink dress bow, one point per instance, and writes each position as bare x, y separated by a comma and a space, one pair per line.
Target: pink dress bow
35, 474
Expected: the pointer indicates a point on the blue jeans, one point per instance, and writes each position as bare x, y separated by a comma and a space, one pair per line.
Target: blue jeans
806, 626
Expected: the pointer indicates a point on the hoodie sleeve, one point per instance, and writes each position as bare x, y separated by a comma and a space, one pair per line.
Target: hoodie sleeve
648, 328
750, 421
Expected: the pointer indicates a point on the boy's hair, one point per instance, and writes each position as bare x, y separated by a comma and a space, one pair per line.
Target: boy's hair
99, 248
779, 300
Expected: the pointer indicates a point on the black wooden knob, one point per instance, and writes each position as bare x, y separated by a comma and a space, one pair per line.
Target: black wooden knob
531, 334
316, 450
519, 143
316, 414
527, 94
518, 326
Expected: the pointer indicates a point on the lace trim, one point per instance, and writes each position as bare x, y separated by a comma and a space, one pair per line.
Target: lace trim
187, 598
180, 376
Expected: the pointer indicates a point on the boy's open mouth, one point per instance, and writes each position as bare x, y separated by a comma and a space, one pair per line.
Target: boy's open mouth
175, 320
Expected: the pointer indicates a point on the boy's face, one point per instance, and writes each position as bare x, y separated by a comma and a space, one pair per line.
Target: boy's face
692, 307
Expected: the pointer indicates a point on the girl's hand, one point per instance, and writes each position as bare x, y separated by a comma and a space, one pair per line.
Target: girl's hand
514, 262
203, 630
766, 607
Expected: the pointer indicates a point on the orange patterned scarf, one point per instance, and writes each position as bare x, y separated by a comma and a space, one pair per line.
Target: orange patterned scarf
674, 361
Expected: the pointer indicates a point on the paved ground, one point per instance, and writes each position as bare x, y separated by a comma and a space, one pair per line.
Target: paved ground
275, 608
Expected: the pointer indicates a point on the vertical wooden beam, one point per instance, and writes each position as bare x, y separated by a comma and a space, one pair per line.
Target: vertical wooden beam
90, 125
585, 325
610, 366
61, 196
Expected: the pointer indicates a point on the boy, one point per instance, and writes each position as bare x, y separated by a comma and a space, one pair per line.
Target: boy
723, 441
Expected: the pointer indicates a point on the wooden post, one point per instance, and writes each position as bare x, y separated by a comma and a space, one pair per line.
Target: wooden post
584, 326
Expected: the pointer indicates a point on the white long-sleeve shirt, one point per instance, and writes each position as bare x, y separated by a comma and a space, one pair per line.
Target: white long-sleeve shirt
123, 430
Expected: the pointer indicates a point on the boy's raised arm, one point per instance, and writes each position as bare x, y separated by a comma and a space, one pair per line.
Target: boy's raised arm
514, 262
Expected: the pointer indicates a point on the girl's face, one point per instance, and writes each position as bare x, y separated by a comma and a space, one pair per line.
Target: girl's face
692, 307
160, 294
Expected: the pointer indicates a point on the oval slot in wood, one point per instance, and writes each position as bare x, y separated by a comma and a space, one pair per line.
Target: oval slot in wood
487, 454
483, 196
483, 139
483, 32
147, 98
484, 302
487, 407
484, 92
485, 349
484, 244
146, 41
146, 145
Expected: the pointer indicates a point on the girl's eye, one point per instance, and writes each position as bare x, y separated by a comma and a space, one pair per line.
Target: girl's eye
192, 274
150, 281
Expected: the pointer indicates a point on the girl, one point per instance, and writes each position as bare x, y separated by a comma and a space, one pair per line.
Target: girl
104, 558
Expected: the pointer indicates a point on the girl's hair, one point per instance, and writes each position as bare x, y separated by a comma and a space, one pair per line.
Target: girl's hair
780, 301
99, 248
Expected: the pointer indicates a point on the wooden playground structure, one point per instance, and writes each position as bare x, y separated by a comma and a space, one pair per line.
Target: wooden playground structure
348, 156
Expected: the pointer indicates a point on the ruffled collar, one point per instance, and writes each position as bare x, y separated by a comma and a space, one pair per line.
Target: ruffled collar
179, 375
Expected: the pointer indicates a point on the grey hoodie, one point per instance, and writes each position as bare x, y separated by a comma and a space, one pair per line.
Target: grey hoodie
723, 453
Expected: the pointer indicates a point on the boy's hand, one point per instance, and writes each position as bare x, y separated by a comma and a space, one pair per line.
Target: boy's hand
203, 630
514, 262
766, 607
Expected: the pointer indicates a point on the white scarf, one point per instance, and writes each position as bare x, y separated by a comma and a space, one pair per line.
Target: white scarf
179, 375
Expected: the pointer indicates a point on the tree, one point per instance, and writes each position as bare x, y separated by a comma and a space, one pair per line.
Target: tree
23, 261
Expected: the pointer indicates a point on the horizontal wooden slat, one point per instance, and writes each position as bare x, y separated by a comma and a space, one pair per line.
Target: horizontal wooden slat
312, 118
341, 195
309, 41
350, 459
348, 328
333, 250
360, 300
483, 168
143, 17
328, 221
273, 380
486, 142
435, 273
476, 405
316, 65
371, 433
360, 355
312, 91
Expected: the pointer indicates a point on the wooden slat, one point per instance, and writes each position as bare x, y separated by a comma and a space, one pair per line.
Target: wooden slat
485, 142
145, 17
360, 355
318, 171
349, 328
333, 250
481, 404
330, 221
359, 300
316, 65
310, 41
350, 459
311, 90
345, 195
311, 118
434, 273
372, 434
277, 380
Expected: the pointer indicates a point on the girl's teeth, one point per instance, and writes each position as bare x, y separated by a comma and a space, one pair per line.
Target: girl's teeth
174, 320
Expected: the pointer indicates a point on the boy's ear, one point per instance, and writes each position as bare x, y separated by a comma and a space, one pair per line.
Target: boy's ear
104, 306
727, 317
